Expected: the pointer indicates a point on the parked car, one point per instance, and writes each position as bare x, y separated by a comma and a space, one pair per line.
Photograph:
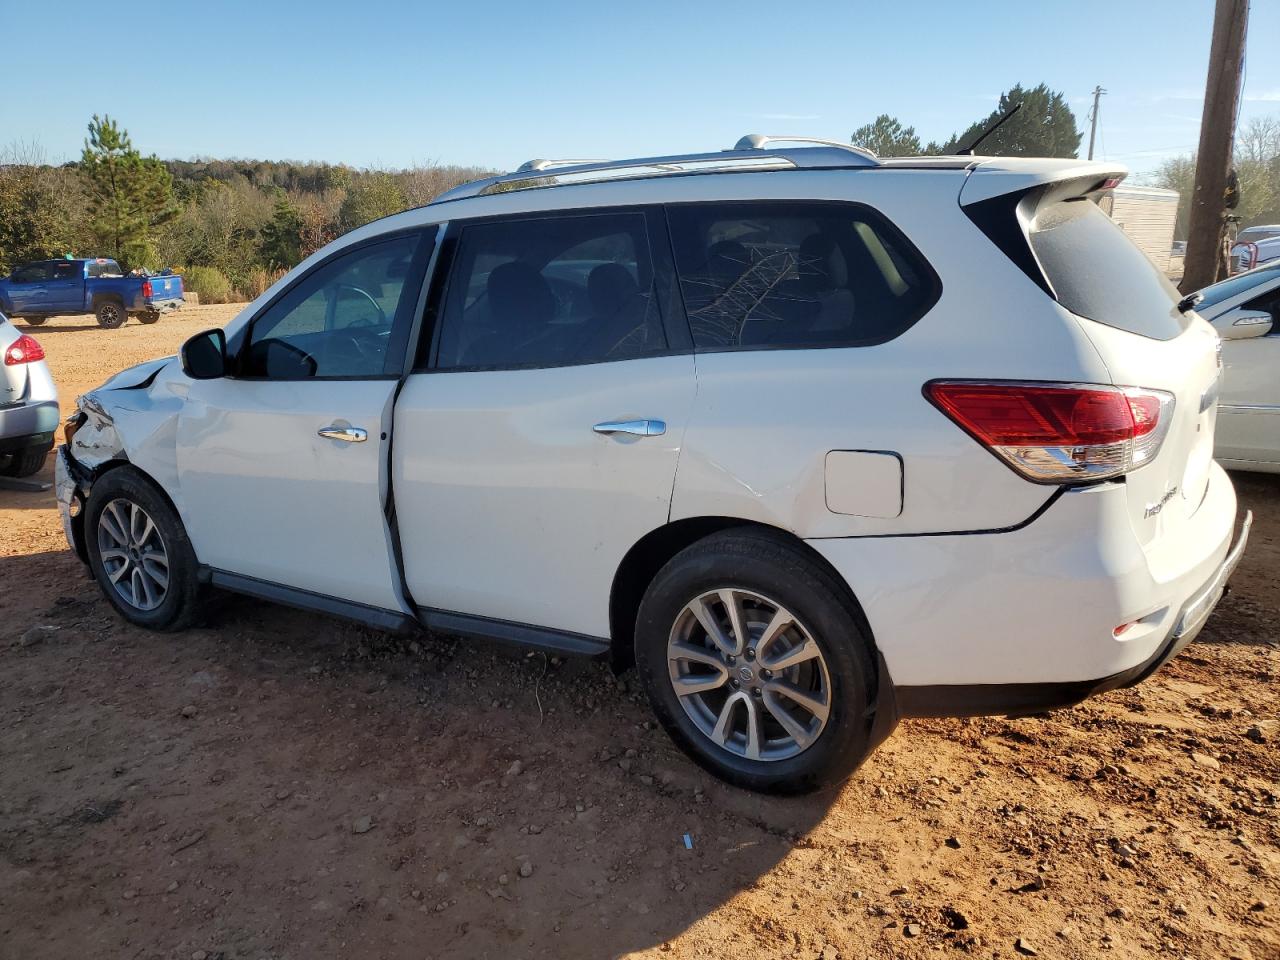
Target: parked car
1245, 310
1255, 246
36, 291
28, 403
814, 439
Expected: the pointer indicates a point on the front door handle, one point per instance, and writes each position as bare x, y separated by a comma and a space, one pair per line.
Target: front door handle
638, 428
345, 434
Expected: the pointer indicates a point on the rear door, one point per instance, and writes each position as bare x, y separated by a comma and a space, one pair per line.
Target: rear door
537, 440
1249, 407
282, 465
27, 288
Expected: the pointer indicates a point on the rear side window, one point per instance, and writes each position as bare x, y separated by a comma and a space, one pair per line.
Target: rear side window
1097, 272
786, 274
67, 270
550, 292
104, 268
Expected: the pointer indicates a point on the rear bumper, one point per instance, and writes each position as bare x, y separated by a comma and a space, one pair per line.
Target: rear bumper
161, 306
1024, 619
1018, 699
28, 425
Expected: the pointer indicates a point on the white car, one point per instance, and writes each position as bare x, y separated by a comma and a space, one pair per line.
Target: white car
1245, 310
1255, 246
814, 439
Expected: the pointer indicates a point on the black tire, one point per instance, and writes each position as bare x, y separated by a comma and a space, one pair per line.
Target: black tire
26, 462
181, 601
111, 314
34, 321
149, 316
762, 562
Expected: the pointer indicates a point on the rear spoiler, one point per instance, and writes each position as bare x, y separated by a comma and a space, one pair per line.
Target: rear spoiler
1001, 197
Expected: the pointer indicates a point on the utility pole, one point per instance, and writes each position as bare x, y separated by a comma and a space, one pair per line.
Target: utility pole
1093, 126
1203, 264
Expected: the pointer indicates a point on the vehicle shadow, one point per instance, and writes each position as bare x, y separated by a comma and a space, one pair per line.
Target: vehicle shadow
21, 499
516, 804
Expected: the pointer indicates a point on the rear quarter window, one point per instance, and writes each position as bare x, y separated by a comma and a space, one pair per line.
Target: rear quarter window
786, 274
1097, 272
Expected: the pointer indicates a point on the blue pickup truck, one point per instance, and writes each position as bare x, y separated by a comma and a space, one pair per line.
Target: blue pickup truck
36, 291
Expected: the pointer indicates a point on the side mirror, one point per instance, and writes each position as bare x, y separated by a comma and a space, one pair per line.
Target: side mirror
204, 356
1243, 323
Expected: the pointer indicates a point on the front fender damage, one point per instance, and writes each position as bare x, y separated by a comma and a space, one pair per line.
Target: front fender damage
133, 418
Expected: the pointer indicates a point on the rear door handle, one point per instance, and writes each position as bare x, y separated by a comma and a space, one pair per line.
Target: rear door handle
345, 434
638, 428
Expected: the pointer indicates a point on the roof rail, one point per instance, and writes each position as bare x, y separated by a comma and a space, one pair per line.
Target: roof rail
820, 154
760, 141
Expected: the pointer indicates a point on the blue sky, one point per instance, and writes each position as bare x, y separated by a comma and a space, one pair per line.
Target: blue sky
387, 83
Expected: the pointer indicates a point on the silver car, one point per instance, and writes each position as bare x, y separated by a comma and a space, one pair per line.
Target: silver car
28, 403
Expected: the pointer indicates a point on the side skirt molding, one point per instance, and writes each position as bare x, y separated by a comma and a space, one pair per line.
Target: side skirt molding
520, 634
389, 620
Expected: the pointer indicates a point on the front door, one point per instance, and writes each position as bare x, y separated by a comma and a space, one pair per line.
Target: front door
282, 466
64, 290
1249, 405
538, 442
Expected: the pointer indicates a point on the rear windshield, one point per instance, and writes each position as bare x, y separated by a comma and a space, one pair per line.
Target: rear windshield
1097, 272
104, 268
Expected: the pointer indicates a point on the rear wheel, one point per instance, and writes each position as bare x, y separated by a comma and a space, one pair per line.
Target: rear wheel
139, 552
25, 462
755, 663
110, 314
150, 316
34, 321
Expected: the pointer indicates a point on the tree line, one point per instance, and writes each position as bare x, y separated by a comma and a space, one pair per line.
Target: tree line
229, 226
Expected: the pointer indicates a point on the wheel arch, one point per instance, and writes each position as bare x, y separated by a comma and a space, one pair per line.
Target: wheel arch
652, 552
97, 472
107, 296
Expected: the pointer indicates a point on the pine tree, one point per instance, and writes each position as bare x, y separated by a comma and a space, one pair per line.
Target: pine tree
885, 136
1044, 127
282, 235
129, 195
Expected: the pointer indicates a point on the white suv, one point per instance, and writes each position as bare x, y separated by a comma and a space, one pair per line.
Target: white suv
814, 439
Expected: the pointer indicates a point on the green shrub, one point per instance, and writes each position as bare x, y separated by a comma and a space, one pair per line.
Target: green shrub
209, 283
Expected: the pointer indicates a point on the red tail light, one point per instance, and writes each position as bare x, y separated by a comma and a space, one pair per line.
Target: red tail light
146, 288
1055, 433
26, 349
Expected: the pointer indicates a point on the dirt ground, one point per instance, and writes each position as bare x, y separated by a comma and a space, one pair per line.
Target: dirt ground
278, 784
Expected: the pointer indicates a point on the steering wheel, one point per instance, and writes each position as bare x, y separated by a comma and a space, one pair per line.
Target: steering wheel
382, 316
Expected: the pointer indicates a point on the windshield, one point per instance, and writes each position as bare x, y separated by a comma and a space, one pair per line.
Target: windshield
1240, 283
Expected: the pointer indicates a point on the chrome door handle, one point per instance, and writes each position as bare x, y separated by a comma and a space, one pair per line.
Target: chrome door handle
638, 428
345, 434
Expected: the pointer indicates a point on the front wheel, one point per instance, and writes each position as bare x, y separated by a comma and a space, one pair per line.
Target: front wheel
139, 552
755, 663
150, 316
34, 321
110, 314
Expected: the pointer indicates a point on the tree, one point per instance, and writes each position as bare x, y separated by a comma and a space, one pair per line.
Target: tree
129, 195
282, 235
36, 216
371, 197
1044, 127
885, 136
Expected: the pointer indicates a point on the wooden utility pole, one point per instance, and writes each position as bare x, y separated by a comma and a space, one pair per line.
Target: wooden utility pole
1093, 124
1203, 264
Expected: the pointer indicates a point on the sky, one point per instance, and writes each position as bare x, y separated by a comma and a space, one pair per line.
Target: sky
386, 83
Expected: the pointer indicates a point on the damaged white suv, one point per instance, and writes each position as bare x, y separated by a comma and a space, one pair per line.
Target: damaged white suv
816, 440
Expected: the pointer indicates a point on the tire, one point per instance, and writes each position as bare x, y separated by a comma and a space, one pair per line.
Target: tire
766, 572
26, 462
34, 321
111, 314
121, 492
150, 316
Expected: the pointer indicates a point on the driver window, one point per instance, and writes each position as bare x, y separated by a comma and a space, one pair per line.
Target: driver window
338, 320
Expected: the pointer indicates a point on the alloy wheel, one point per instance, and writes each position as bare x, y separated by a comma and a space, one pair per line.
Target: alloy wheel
749, 674
133, 554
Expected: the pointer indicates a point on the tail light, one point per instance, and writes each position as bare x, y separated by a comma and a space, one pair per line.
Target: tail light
26, 349
1059, 433
146, 288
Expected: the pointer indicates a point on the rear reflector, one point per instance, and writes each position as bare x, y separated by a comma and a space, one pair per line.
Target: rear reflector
26, 349
1059, 433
